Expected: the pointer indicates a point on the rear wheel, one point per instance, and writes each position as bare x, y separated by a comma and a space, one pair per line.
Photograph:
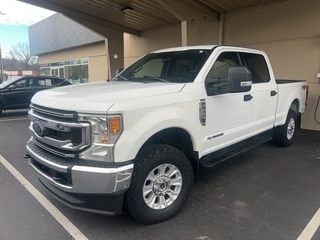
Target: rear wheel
284, 135
1, 108
160, 185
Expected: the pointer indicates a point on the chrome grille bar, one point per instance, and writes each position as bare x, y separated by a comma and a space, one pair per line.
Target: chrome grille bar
58, 126
52, 112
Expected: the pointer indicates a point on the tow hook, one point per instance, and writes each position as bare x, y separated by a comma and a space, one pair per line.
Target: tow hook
26, 156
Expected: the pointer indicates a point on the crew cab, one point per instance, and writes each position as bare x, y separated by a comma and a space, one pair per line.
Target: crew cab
137, 140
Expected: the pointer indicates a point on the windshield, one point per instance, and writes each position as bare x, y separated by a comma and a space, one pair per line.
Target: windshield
8, 82
178, 67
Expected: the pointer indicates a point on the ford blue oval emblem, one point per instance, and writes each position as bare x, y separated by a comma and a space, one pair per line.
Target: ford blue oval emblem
39, 128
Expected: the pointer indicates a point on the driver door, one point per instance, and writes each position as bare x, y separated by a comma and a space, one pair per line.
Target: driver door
228, 115
18, 97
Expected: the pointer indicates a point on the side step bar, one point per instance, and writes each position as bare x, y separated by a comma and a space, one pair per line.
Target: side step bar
224, 154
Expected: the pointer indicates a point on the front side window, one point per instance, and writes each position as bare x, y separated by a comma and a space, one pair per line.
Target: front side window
21, 83
220, 68
217, 78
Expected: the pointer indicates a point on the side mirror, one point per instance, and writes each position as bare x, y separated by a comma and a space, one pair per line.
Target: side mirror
239, 79
12, 86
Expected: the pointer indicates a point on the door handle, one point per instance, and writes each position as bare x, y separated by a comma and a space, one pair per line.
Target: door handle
247, 97
273, 93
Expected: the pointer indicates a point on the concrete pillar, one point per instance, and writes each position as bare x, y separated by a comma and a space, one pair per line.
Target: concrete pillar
115, 52
191, 14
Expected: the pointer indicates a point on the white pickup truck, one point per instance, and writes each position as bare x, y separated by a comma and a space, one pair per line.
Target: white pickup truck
137, 141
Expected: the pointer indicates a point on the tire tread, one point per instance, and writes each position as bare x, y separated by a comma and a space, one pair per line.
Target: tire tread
145, 159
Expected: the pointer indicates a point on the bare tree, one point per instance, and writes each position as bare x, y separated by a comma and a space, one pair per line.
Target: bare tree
21, 52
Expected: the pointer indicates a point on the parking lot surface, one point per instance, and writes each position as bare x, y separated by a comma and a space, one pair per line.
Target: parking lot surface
266, 193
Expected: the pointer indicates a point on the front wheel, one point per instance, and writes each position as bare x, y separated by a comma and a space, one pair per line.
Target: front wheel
160, 185
283, 135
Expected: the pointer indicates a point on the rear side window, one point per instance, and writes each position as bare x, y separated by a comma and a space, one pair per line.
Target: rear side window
258, 67
33, 82
55, 81
45, 82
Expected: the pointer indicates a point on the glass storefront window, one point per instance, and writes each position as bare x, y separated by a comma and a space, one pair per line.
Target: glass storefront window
77, 74
45, 71
74, 70
56, 64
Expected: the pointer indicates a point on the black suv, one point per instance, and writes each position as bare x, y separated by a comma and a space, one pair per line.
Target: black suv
16, 92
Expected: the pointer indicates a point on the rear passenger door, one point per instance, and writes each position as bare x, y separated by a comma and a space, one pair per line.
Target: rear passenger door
263, 91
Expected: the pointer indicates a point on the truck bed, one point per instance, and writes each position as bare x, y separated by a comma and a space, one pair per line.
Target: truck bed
284, 81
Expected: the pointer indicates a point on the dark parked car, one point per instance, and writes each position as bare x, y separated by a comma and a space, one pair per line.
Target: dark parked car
16, 92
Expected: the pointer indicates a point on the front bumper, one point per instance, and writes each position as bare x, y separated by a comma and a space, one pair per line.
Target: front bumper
75, 182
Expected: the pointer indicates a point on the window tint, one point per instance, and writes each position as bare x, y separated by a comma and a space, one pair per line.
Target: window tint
182, 66
217, 78
56, 81
220, 68
152, 68
33, 82
258, 67
21, 83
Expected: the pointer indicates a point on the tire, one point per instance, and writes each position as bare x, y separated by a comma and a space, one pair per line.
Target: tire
161, 184
1, 108
284, 135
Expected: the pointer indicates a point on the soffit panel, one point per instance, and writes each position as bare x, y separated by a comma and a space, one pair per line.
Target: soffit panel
146, 14
225, 6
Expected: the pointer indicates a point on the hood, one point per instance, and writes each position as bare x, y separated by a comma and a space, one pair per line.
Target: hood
98, 97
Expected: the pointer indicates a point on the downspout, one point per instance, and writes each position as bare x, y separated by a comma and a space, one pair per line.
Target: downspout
221, 29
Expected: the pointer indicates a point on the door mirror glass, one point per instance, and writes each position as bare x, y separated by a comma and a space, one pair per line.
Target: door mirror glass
239, 79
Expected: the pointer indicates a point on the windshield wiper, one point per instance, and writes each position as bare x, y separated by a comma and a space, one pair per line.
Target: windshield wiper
122, 78
154, 78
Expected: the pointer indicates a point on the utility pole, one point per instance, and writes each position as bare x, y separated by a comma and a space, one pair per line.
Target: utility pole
1, 63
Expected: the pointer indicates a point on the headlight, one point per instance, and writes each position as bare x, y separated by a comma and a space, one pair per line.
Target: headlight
105, 130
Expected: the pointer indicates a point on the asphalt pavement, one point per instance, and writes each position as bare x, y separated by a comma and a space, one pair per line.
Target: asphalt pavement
266, 193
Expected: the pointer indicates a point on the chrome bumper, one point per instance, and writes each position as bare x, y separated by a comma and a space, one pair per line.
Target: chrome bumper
82, 179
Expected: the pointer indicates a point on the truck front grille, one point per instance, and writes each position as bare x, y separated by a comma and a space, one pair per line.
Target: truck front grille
58, 132
54, 114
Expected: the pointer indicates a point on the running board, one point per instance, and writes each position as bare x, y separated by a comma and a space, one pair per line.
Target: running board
224, 154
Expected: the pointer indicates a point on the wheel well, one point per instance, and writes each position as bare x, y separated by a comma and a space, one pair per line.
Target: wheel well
177, 138
295, 107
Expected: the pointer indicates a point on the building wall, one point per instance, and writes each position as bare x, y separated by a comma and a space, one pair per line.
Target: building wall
289, 32
97, 54
135, 47
58, 32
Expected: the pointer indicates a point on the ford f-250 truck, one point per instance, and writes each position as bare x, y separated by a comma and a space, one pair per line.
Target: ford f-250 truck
137, 141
